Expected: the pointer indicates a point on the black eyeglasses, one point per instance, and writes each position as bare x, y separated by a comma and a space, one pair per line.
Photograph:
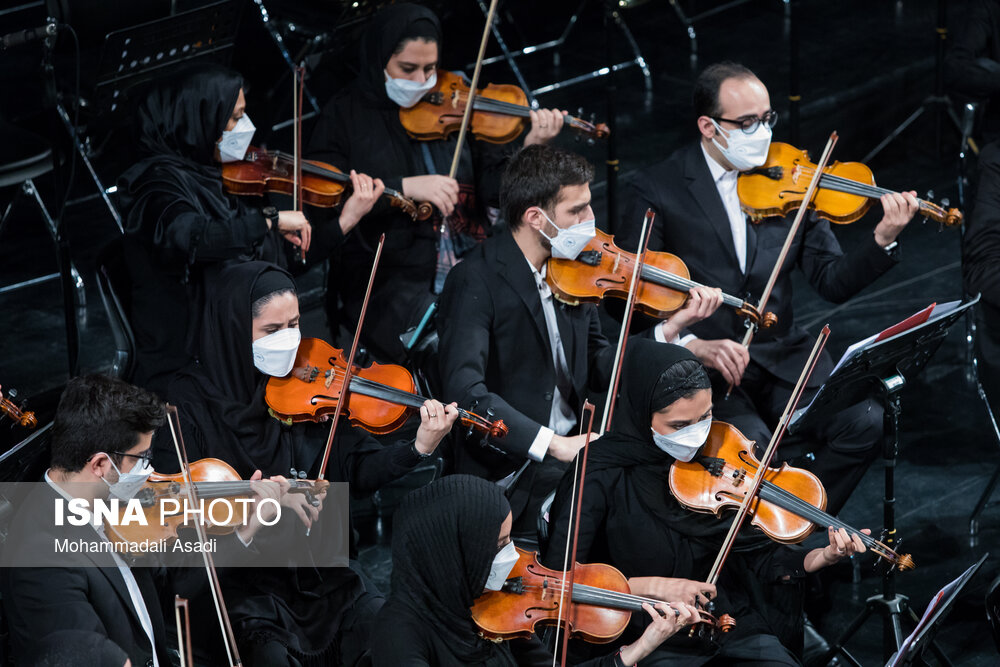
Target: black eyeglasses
147, 457
750, 125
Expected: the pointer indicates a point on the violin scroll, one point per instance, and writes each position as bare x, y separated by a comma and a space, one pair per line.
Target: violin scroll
22, 417
754, 317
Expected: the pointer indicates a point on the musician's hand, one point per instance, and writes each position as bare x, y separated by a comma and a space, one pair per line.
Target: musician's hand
667, 620
545, 125
274, 489
565, 448
295, 228
899, 208
667, 588
701, 303
436, 421
441, 191
299, 503
363, 198
726, 356
842, 545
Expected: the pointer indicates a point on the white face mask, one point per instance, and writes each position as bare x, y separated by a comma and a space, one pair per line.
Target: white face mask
407, 93
234, 143
684, 444
745, 151
130, 482
569, 243
274, 354
503, 563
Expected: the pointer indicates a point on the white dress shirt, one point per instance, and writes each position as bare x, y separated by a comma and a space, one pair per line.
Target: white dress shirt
130, 583
725, 183
561, 417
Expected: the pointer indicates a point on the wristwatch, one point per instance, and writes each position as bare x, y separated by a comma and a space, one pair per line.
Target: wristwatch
271, 213
891, 249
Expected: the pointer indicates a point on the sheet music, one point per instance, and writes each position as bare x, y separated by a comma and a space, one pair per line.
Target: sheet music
937, 312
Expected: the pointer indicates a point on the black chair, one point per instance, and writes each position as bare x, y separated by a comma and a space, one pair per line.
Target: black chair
123, 364
993, 610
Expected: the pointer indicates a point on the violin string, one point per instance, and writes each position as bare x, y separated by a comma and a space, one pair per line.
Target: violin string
674, 281
813, 513
396, 395
510, 108
848, 185
314, 169
593, 593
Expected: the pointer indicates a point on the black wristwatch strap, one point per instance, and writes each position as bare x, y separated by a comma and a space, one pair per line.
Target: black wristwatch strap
271, 213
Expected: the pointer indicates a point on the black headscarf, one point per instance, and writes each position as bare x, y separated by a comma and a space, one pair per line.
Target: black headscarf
224, 392
178, 123
444, 541
387, 29
629, 444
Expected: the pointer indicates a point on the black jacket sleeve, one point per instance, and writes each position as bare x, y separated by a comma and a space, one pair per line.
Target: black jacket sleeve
368, 465
836, 275
199, 237
971, 65
592, 514
465, 324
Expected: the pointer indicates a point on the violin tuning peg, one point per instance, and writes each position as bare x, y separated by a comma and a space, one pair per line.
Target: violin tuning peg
12, 393
302, 474
579, 111
945, 202
930, 194
293, 473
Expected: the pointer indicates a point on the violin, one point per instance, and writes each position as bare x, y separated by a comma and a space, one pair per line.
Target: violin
212, 479
600, 604
845, 189
322, 184
22, 417
790, 503
380, 399
499, 112
603, 269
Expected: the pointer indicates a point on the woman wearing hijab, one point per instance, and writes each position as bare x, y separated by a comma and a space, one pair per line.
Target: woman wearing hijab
629, 519
360, 128
179, 222
304, 615
451, 541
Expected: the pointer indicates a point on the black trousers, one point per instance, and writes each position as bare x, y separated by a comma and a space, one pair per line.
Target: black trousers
844, 445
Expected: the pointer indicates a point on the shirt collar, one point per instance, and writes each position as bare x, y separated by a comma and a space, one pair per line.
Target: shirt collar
719, 173
58, 489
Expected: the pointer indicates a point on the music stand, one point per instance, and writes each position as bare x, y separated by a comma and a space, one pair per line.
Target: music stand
878, 370
933, 618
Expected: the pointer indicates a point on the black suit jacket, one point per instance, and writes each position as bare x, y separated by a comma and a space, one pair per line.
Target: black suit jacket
691, 222
495, 351
90, 596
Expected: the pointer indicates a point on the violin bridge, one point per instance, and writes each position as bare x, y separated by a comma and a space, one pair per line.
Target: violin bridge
795, 174
618, 259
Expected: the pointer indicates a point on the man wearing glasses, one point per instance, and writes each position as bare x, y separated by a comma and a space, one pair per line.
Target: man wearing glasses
699, 219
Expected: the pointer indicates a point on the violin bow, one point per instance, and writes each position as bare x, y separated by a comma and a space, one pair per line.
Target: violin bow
576, 502
467, 114
799, 215
640, 258
765, 460
580, 465
232, 652
183, 631
298, 88
349, 372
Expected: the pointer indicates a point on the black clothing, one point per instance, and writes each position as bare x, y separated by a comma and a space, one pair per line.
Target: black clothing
444, 541
626, 488
972, 65
360, 129
90, 595
692, 223
221, 403
981, 269
495, 354
179, 224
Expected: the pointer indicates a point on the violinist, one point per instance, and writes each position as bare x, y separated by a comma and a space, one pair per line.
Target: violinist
312, 615
360, 128
180, 224
508, 346
100, 447
451, 541
664, 413
693, 193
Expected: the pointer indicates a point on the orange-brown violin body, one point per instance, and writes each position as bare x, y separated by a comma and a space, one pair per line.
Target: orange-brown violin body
261, 172
502, 616
844, 195
698, 490
605, 270
314, 386
499, 116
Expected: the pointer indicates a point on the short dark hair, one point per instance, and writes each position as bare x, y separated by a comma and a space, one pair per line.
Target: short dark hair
705, 97
534, 177
99, 413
